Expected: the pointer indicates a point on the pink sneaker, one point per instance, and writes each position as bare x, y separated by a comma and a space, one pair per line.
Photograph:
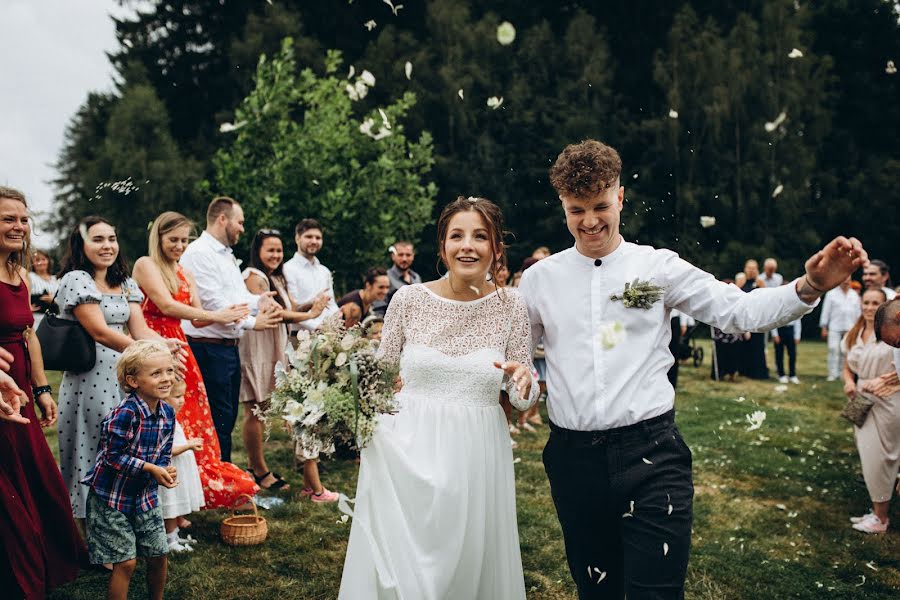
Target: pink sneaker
871, 524
325, 497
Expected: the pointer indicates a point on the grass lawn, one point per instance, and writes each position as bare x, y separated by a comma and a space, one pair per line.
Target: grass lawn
771, 509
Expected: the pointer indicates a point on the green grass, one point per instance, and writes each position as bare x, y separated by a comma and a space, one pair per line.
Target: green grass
744, 546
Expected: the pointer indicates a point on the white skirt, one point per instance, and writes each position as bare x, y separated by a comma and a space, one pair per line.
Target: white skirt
435, 514
187, 496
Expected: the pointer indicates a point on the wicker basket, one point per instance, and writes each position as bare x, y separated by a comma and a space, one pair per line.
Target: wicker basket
244, 530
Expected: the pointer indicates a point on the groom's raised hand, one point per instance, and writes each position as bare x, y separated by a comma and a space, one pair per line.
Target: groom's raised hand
834, 263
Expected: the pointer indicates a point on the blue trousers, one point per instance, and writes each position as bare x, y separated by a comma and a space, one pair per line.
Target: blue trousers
221, 370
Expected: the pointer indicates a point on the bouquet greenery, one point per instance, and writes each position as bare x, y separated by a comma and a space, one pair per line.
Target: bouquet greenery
333, 388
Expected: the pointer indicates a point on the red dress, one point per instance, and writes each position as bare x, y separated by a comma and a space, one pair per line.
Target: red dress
222, 481
41, 545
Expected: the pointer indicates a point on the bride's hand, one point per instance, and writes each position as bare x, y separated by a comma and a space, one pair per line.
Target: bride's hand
518, 374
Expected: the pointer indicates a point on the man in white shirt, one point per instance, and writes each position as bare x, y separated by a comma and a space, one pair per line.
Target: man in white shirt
619, 471
840, 310
306, 277
219, 285
769, 276
877, 274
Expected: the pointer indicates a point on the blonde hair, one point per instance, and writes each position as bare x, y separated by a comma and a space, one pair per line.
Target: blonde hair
164, 223
133, 358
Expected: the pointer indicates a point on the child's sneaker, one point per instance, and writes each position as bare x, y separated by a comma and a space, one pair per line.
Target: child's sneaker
871, 524
325, 497
795, 380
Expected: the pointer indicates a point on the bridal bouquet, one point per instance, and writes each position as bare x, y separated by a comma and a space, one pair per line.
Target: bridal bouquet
333, 388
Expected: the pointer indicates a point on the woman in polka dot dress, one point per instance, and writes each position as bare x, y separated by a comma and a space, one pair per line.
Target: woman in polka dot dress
96, 291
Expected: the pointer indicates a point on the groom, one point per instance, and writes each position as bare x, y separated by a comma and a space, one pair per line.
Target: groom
619, 470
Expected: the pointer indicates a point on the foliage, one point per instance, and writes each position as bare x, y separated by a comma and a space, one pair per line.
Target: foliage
299, 151
576, 69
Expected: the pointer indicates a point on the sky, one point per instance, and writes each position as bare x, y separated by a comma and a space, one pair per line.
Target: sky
54, 54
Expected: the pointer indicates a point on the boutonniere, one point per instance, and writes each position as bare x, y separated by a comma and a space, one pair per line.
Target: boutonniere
236, 260
639, 294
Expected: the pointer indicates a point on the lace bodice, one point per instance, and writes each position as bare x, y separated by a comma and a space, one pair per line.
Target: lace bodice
447, 348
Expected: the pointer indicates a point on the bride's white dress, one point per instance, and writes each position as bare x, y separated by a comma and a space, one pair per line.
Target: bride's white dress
435, 513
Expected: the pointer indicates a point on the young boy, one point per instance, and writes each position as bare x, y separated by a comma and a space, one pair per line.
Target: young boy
124, 520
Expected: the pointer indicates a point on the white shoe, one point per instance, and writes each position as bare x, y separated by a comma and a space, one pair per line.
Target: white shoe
179, 547
871, 524
783, 379
794, 379
855, 520
830, 378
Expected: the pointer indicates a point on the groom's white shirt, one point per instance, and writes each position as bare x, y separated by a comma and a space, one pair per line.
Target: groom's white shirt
596, 381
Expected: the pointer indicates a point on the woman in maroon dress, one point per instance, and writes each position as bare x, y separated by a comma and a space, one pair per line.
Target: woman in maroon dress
38, 536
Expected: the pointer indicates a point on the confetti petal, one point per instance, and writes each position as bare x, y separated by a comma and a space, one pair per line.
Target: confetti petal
370, 24
673, 114
408, 69
707, 222
890, 69
778, 189
460, 93
495, 102
506, 33
647, 462
795, 54
665, 549
394, 9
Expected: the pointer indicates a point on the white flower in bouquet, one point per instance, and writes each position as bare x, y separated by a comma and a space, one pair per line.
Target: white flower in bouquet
341, 359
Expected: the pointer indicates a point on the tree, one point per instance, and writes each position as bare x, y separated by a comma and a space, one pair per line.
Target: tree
299, 151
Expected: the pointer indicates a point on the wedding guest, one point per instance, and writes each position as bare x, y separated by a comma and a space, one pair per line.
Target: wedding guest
878, 440
357, 305
740, 279
306, 276
171, 295
614, 448
727, 354
400, 274
877, 274
220, 285
42, 283
840, 310
260, 351
753, 362
124, 520
96, 291
787, 338
541, 252
187, 497
39, 541
769, 277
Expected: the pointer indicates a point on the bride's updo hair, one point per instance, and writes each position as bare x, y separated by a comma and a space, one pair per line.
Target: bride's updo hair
493, 221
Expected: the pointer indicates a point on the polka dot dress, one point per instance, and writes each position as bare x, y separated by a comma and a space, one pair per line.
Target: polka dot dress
85, 398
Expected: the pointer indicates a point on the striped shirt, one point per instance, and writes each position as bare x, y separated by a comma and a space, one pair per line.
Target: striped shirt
130, 436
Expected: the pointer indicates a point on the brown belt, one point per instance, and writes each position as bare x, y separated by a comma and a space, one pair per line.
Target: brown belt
230, 342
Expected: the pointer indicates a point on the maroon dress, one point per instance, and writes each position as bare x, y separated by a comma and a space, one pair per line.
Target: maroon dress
41, 545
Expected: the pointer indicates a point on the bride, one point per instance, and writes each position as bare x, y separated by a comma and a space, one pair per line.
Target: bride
435, 513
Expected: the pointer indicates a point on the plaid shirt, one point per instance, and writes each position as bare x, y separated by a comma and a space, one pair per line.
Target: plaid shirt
130, 436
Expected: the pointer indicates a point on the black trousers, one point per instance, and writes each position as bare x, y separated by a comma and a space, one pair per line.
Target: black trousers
221, 370
624, 498
787, 343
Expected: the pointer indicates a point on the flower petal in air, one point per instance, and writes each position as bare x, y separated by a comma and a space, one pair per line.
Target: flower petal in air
506, 33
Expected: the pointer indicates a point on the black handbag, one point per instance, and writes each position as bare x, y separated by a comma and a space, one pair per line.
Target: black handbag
65, 344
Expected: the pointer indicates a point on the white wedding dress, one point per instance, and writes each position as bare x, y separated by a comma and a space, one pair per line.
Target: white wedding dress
435, 509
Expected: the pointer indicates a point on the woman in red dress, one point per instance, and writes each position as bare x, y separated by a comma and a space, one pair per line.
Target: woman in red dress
170, 296
40, 542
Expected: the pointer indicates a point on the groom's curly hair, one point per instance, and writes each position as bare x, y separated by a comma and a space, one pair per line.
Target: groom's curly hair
585, 170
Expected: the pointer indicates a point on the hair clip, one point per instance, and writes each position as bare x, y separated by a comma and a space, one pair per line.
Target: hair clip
472, 199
